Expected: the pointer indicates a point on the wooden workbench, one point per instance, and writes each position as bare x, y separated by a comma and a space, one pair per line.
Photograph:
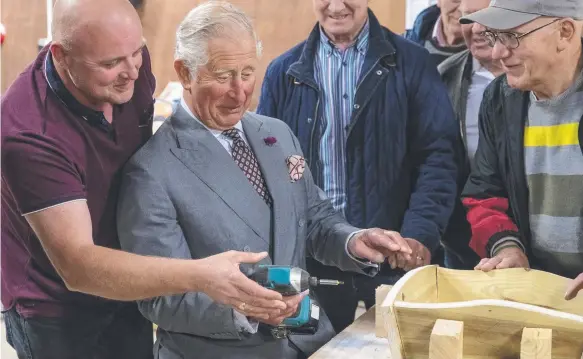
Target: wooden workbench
358, 341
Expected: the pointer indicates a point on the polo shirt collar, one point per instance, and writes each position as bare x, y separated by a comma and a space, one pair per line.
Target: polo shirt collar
92, 116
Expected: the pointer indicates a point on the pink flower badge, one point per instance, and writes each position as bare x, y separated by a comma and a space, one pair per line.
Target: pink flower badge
270, 141
296, 166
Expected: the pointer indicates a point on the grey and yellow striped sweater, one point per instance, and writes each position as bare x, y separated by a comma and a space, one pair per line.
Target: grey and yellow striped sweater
554, 169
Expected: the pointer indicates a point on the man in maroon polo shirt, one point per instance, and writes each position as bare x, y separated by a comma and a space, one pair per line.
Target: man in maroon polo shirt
70, 121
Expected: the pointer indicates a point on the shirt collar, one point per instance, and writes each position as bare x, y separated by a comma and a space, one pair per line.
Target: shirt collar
216, 133
478, 69
438, 34
59, 89
361, 42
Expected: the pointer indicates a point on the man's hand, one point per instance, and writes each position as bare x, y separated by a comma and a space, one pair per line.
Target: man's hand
225, 283
510, 257
292, 306
574, 287
376, 244
419, 257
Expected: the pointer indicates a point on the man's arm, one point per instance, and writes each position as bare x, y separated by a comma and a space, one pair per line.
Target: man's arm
65, 234
432, 136
50, 195
495, 236
332, 241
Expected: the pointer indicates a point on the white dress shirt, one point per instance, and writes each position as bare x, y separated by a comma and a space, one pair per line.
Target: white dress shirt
225, 141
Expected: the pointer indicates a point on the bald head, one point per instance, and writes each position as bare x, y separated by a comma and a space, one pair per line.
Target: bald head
77, 22
97, 49
579, 27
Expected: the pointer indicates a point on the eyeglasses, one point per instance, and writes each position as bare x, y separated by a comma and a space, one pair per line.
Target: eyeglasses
509, 39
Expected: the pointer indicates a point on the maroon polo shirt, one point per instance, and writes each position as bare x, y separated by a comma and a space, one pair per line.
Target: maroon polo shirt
55, 150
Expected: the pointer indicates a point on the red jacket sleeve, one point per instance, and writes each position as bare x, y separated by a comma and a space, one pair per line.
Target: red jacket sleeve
487, 218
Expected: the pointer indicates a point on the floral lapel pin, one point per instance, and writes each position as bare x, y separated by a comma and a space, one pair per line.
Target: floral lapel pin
295, 166
270, 141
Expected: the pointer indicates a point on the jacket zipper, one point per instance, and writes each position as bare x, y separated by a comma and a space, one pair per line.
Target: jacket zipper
519, 179
312, 134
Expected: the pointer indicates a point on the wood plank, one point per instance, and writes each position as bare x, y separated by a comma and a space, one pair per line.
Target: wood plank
536, 343
517, 285
417, 285
447, 340
358, 341
380, 294
492, 328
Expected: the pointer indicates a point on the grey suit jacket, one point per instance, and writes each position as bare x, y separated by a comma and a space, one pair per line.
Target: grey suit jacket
183, 196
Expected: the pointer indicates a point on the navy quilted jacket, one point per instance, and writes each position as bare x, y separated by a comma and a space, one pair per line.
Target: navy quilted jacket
401, 173
423, 26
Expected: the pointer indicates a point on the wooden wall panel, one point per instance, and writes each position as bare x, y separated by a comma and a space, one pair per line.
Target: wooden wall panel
25, 22
280, 25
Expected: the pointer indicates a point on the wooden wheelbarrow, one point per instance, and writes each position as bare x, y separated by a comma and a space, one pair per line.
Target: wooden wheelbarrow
439, 313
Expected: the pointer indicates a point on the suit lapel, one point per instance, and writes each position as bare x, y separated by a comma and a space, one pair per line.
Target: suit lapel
200, 152
271, 159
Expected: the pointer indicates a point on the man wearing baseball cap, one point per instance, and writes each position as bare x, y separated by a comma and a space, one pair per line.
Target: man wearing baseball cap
525, 194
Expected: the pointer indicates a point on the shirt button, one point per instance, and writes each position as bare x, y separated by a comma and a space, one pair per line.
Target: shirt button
356, 106
301, 222
247, 249
379, 72
345, 96
310, 120
344, 63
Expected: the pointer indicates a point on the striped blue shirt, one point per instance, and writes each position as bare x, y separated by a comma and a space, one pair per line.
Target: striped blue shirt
337, 73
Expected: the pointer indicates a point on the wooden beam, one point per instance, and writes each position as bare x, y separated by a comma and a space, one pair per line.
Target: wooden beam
536, 343
447, 340
380, 294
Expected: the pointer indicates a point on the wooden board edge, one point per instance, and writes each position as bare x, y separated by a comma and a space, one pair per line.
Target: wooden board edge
381, 293
388, 312
491, 302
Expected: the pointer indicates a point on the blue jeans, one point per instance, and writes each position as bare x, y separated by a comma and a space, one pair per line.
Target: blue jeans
124, 333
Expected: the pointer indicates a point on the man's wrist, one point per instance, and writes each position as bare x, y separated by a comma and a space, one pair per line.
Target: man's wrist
196, 279
506, 242
351, 237
361, 261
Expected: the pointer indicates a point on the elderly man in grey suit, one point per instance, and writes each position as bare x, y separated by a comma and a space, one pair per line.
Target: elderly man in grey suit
216, 178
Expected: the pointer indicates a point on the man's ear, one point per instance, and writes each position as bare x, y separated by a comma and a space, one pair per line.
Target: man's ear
59, 54
183, 73
567, 33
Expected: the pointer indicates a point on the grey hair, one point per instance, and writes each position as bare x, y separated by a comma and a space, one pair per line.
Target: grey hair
208, 20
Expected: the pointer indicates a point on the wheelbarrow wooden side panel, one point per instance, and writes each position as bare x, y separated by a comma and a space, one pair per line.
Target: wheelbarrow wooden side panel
492, 328
494, 307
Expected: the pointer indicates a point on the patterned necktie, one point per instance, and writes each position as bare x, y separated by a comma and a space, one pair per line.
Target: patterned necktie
245, 159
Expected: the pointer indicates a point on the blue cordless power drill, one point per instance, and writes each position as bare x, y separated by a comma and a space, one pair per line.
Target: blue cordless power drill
291, 281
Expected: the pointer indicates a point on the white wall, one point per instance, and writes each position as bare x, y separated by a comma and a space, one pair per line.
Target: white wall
414, 7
